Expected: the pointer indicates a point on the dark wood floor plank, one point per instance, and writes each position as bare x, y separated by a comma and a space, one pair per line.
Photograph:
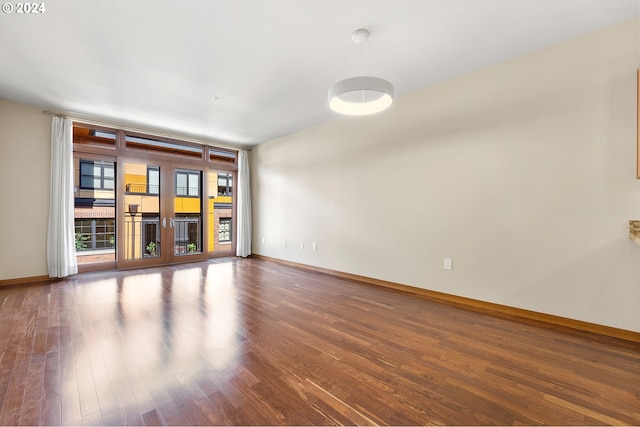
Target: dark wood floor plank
253, 342
34, 389
17, 369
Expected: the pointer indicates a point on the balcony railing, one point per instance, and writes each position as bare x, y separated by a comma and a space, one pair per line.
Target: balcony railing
142, 189
132, 188
187, 235
188, 191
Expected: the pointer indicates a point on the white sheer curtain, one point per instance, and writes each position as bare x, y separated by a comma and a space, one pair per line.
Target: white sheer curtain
243, 247
61, 250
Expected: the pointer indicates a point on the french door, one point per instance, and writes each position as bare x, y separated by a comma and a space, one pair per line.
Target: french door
142, 201
162, 213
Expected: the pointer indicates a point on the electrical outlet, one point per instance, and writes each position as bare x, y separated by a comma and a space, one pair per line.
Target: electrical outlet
302, 245
448, 264
262, 239
315, 246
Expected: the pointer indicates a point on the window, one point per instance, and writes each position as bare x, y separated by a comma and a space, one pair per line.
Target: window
222, 156
85, 137
168, 147
187, 183
156, 177
94, 202
225, 182
97, 175
95, 234
224, 230
153, 180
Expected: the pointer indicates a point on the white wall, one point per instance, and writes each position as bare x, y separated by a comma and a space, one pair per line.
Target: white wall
25, 156
523, 173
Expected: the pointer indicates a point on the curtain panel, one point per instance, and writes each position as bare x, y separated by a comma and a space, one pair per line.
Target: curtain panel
61, 251
243, 248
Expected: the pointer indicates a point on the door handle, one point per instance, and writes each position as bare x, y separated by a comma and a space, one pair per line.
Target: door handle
164, 222
171, 223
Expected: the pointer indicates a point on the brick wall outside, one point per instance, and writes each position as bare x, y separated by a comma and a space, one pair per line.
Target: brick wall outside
217, 214
86, 259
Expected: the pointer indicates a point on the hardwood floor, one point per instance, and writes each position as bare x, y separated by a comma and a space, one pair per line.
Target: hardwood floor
253, 342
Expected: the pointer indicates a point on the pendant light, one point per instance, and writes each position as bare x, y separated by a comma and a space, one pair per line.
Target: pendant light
362, 95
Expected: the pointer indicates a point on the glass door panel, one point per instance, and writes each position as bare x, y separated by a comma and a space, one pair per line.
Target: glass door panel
187, 212
141, 211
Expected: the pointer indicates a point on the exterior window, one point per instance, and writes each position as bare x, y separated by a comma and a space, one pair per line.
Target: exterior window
153, 180
96, 175
95, 234
224, 230
224, 184
187, 183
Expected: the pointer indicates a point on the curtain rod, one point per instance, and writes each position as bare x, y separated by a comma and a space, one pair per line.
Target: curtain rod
153, 132
51, 113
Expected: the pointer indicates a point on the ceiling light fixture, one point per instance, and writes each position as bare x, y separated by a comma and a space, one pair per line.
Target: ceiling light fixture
362, 95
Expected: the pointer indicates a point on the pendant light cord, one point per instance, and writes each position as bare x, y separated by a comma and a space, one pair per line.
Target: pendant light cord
362, 63
375, 60
344, 62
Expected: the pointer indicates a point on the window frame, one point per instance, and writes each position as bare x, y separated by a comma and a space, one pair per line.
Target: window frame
147, 146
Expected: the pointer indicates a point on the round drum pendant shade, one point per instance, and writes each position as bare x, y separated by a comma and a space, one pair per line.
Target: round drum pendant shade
359, 96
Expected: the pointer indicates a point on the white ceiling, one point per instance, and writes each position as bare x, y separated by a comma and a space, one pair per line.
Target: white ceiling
159, 64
